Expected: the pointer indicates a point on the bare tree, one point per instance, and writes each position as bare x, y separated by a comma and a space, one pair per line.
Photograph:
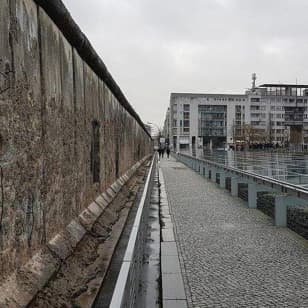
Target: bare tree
252, 134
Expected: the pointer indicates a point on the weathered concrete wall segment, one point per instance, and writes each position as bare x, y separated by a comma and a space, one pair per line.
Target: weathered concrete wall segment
50, 100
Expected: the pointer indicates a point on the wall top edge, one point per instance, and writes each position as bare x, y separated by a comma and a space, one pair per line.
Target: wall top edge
59, 14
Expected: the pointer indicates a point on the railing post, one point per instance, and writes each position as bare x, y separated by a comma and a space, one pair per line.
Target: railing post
234, 186
213, 174
201, 168
222, 175
205, 171
282, 202
252, 195
253, 189
281, 211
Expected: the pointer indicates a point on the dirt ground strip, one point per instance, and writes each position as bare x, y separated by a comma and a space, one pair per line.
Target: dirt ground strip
80, 276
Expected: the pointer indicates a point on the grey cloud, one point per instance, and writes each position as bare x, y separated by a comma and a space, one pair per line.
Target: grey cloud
154, 47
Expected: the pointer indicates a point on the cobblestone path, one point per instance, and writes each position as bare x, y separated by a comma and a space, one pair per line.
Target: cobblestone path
232, 256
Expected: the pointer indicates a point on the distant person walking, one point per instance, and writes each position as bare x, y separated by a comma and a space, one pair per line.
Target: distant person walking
168, 152
159, 152
162, 152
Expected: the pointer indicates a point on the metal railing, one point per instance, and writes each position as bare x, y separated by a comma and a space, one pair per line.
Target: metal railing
126, 288
279, 186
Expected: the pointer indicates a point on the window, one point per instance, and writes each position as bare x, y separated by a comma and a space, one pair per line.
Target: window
186, 129
95, 152
255, 115
255, 99
186, 107
186, 115
273, 108
186, 123
184, 146
174, 123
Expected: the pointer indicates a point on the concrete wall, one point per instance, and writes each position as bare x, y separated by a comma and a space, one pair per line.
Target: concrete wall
49, 98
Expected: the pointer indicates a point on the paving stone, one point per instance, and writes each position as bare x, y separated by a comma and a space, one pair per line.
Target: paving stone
61, 246
106, 197
167, 235
169, 249
31, 278
115, 187
95, 209
174, 304
76, 231
170, 265
110, 193
173, 287
101, 202
120, 183
87, 219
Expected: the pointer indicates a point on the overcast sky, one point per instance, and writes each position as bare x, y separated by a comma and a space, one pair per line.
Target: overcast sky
155, 47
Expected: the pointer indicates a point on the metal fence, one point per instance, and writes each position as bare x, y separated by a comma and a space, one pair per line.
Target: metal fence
287, 203
278, 185
126, 289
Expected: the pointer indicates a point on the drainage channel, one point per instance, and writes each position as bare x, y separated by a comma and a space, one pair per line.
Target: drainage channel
148, 273
104, 296
150, 283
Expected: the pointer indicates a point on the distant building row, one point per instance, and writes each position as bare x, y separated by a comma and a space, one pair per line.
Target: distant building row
268, 114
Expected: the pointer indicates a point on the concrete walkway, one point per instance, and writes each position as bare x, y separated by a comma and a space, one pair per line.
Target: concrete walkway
232, 256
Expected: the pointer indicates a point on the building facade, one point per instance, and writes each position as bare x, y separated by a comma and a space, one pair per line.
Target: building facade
269, 114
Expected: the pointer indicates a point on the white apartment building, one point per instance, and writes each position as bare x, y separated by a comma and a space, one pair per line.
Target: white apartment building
270, 113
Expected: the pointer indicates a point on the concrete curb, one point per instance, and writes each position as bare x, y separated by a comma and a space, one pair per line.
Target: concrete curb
173, 290
23, 285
